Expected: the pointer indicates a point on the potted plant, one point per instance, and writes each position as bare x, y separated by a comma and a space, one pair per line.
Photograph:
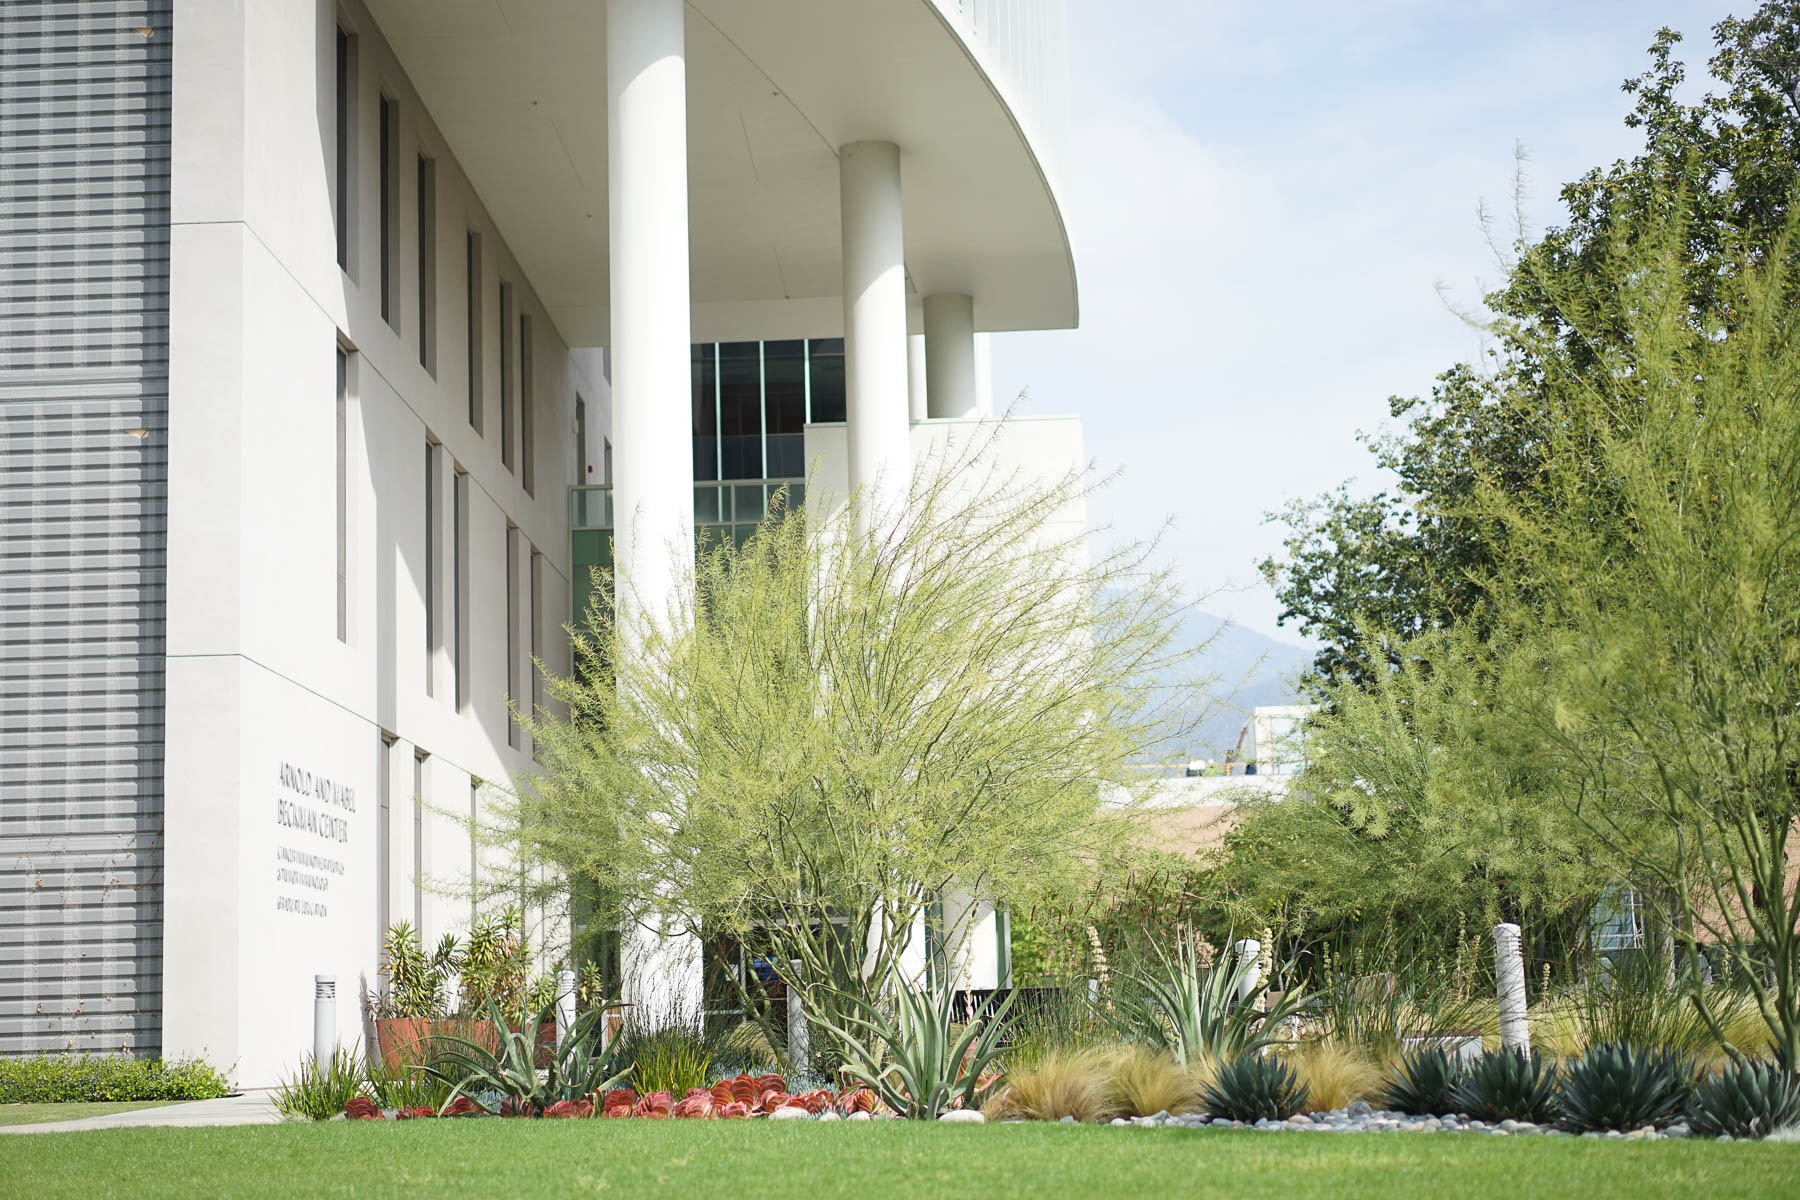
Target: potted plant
413, 1007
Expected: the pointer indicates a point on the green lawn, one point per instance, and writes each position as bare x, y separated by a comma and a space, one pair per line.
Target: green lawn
487, 1159
37, 1114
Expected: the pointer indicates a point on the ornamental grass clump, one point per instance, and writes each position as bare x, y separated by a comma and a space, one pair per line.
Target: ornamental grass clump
320, 1090
1746, 1099
1141, 1082
1335, 1075
1422, 1083
1060, 1083
1507, 1086
1615, 1086
1252, 1088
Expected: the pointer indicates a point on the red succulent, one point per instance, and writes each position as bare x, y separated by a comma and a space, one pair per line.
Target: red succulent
462, 1106
656, 1105
363, 1109
736, 1110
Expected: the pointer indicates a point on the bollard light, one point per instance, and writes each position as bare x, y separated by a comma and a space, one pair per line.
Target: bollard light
324, 1017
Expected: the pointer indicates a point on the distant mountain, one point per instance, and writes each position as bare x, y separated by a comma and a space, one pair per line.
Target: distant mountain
1252, 670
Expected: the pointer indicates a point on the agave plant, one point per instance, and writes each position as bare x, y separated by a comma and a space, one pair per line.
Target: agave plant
1507, 1086
1197, 1012
1616, 1086
1422, 1083
580, 1068
914, 1059
1746, 1099
1255, 1088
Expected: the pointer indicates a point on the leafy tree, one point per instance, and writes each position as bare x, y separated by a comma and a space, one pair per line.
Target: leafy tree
865, 713
1409, 558
1655, 596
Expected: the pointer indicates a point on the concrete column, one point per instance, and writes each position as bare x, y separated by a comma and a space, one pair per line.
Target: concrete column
950, 389
1509, 972
915, 376
875, 350
653, 499
653, 471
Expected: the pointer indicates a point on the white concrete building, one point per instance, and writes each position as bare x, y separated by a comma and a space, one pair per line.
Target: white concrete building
314, 314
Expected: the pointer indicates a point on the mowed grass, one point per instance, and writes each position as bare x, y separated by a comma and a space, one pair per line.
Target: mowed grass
38, 1114
807, 1161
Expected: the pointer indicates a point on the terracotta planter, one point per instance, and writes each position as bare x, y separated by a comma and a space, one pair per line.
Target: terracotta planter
405, 1041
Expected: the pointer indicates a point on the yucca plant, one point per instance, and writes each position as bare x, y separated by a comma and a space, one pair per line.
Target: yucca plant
1253, 1088
580, 1067
1422, 1083
1196, 1012
1615, 1086
670, 1060
1507, 1086
320, 1090
915, 1059
1746, 1099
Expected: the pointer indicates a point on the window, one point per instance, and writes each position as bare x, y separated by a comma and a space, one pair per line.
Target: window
825, 379
582, 467
433, 588
343, 494
390, 211
344, 180
512, 632
784, 409
606, 461
474, 851
384, 840
459, 582
506, 375
527, 402
534, 632
418, 846
740, 410
428, 264
473, 296
704, 370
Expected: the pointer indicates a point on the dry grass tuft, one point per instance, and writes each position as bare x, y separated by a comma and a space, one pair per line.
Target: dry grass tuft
1143, 1082
1335, 1075
1062, 1083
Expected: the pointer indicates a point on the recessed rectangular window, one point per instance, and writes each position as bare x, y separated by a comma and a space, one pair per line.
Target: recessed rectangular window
506, 376
825, 379
527, 404
390, 211
428, 264
344, 138
703, 372
459, 582
433, 585
512, 632
384, 839
473, 297
740, 410
582, 467
420, 798
342, 494
534, 632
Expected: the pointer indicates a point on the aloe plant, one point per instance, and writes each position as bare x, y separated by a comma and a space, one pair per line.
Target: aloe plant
1422, 1081
1746, 1099
1616, 1086
1253, 1088
914, 1058
580, 1068
1197, 1013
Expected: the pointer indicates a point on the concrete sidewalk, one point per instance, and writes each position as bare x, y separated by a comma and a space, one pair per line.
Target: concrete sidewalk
251, 1108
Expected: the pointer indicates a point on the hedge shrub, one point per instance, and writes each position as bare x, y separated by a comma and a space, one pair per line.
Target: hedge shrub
68, 1079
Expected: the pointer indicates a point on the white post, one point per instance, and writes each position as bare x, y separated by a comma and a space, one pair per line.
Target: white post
565, 1004
1249, 953
653, 495
1509, 972
324, 1018
950, 389
799, 1038
875, 349
917, 409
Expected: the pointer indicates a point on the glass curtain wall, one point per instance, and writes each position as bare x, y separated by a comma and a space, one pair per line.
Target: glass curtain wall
752, 401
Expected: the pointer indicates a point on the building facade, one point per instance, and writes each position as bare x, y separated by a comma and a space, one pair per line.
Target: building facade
340, 338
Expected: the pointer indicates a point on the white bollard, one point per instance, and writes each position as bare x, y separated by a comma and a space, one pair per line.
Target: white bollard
324, 1017
565, 1004
1509, 975
1249, 954
799, 1037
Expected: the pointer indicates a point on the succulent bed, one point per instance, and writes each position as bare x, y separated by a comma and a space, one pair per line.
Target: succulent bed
738, 1098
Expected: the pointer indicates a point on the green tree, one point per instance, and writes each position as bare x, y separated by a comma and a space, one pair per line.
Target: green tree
1409, 559
851, 726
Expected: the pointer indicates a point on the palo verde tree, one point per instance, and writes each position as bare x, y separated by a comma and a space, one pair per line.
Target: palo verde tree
1655, 599
860, 714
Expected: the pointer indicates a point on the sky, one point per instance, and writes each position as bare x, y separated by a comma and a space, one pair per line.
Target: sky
1275, 208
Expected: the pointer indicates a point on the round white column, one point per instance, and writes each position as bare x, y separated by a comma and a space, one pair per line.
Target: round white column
653, 461
875, 354
950, 389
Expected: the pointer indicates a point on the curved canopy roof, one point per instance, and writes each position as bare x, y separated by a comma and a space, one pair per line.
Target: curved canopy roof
517, 89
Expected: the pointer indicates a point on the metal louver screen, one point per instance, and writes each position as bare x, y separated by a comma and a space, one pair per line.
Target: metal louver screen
84, 297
